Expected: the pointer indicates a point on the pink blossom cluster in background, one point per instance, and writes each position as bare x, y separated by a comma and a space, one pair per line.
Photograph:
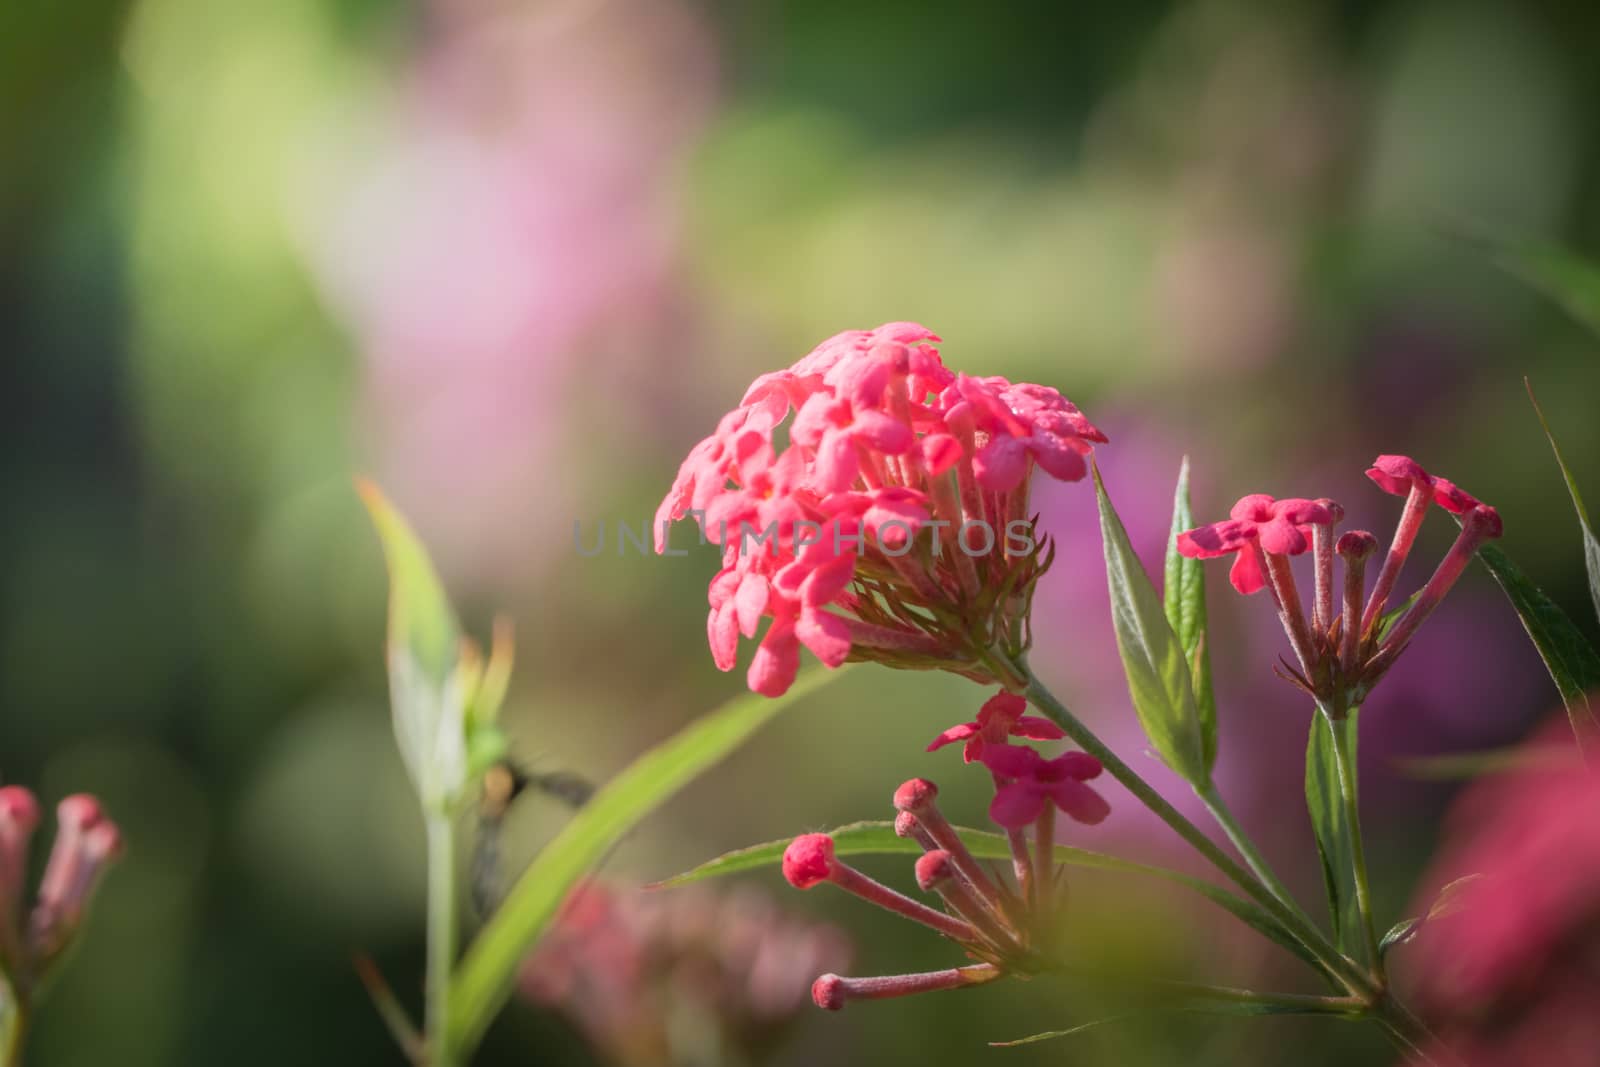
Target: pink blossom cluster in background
1512, 973
517, 221
636, 971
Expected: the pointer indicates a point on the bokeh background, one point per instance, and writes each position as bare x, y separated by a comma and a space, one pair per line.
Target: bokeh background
512, 258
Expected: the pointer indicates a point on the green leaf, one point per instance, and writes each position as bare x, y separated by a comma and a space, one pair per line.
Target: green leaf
1328, 823
878, 838
1051, 1035
429, 682
1184, 598
1572, 662
1568, 279
1448, 902
1591, 545
1152, 657
1460, 766
484, 979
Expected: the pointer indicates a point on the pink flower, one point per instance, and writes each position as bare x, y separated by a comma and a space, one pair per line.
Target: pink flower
1506, 969
1037, 782
1341, 658
846, 538
1000, 717
1401, 475
86, 844
1256, 520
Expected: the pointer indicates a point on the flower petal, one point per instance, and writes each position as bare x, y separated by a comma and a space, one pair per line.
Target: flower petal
1037, 729
1018, 804
1080, 802
959, 732
1245, 574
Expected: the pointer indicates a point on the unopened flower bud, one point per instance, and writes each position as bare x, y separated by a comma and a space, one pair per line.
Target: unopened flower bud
934, 869
808, 860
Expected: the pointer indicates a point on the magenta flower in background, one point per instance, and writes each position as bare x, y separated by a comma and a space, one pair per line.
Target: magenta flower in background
636, 970
1509, 975
517, 222
1000, 719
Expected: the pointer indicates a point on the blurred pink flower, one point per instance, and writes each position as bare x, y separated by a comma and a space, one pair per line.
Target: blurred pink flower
1509, 975
633, 969
518, 218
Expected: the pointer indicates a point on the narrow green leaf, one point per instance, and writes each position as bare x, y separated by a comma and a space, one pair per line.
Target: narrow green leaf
1331, 828
485, 976
1152, 657
878, 838
1459, 766
1568, 279
420, 617
1184, 598
430, 681
1572, 662
1051, 1035
1591, 544
1448, 902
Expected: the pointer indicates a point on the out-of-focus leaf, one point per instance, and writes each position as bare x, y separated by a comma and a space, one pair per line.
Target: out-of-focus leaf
878, 838
485, 976
1572, 662
1051, 1035
1458, 766
1184, 597
1448, 902
1152, 657
1326, 806
430, 681
1568, 279
1591, 544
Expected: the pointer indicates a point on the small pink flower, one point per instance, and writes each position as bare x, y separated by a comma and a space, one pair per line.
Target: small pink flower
1401, 475
1001, 717
1037, 782
1276, 526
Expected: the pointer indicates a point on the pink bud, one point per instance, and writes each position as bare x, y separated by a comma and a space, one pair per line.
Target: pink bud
86, 842
828, 992
934, 868
808, 860
915, 795
1356, 544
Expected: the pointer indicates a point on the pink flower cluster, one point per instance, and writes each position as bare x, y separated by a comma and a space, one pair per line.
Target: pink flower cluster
86, 843
1341, 656
1508, 973
632, 969
1004, 930
897, 512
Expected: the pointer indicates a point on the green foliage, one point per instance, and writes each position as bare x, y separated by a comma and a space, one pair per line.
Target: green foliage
428, 689
1448, 902
1591, 544
1152, 656
878, 838
1572, 662
1184, 597
1329, 824
485, 977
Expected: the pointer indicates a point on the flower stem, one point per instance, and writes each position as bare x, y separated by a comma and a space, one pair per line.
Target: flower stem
1247, 848
1347, 971
1358, 852
441, 935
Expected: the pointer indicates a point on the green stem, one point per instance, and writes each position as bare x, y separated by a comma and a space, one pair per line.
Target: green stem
1358, 852
1247, 848
1355, 979
441, 935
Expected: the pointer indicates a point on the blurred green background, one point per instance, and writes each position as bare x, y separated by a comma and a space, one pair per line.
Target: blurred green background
513, 258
